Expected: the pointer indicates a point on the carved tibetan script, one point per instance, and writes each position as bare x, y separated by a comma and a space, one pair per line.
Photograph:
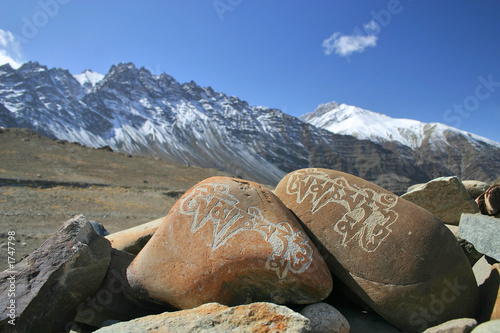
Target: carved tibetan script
213, 204
368, 214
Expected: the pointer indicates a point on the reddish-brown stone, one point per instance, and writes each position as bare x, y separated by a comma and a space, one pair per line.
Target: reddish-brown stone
396, 256
230, 241
216, 318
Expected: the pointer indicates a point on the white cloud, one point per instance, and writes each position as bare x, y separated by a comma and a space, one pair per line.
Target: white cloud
345, 45
10, 49
372, 27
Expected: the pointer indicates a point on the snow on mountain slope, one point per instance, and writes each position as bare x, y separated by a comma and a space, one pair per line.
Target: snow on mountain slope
364, 124
138, 113
88, 79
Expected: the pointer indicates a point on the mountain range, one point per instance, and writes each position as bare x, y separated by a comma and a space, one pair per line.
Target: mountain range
135, 112
369, 125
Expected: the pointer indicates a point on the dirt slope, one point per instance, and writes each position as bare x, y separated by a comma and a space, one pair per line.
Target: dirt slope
44, 182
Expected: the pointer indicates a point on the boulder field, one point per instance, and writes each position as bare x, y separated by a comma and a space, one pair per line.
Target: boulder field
324, 252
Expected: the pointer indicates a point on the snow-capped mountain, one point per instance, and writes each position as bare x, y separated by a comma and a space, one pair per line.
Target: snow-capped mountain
135, 112
88, 79
369, 125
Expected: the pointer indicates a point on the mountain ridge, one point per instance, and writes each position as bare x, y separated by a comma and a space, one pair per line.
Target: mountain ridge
366, 124
134, 111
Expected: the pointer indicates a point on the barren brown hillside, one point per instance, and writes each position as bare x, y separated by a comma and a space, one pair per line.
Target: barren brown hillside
44, 182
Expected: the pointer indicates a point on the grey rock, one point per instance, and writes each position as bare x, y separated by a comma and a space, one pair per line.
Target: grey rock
445, 197
111, 301
53, 280
481, 269
463, 325
453, 229
470, 251
482, 231
475, 187
99, 228
325, 318
216, 318
492, 326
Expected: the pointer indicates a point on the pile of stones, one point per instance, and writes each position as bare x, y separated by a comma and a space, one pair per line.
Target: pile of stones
324, 252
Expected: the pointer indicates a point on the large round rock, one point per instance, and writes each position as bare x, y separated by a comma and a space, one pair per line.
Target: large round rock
233, 242
397, 257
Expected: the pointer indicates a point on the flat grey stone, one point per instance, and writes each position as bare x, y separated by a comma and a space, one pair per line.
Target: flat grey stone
481, 269
462, 325
483, 232
492, 326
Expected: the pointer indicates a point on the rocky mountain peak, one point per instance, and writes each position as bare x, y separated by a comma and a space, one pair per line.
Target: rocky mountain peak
31, 66
320, 111
7, 68
135, 112
122, 70
88, 79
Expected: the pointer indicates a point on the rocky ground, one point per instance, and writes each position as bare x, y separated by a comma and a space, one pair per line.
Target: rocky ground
84, 282
44, 182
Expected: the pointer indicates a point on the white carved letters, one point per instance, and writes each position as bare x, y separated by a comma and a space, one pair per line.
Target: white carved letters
368, 214
213, 203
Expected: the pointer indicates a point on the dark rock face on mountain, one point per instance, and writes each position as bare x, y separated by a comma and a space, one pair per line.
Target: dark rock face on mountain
461, 156
136, 112
438, 149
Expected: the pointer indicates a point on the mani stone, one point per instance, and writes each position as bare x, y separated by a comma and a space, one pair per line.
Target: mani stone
483, 232
394, 255
55, 279
132, 240
445, 197
217, 318
232, 242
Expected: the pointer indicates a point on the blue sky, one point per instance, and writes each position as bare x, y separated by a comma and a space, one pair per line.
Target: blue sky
434, 61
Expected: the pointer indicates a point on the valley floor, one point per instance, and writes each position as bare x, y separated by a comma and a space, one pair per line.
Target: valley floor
45, 182
35, 213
